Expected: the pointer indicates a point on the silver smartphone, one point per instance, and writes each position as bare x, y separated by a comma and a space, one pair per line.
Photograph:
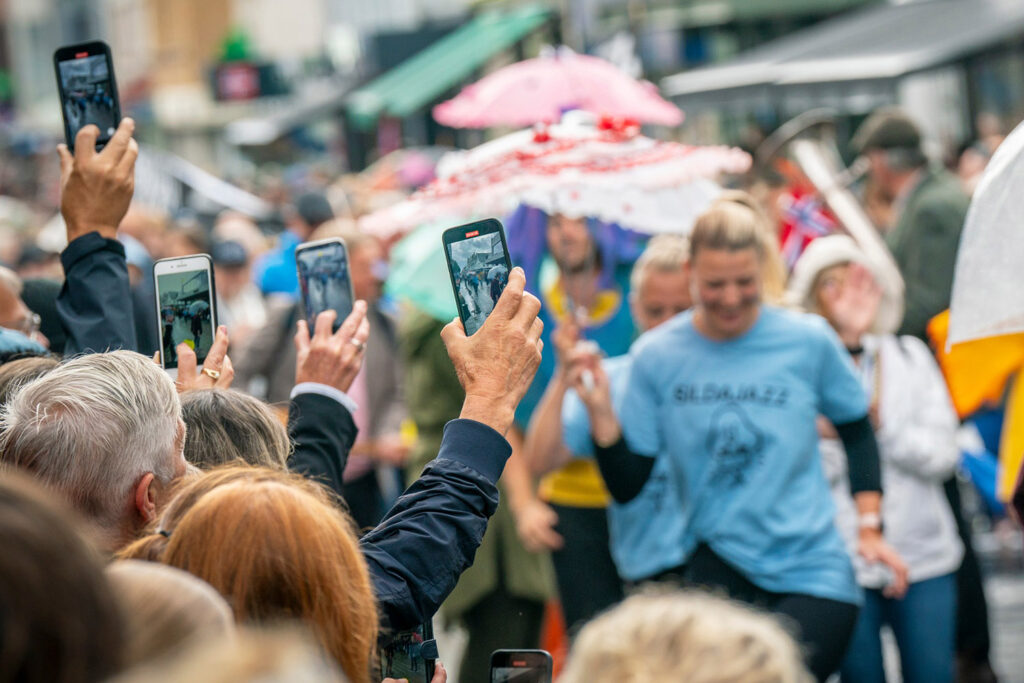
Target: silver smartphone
186, 307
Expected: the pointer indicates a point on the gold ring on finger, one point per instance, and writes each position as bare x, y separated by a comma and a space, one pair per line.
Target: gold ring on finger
211, 373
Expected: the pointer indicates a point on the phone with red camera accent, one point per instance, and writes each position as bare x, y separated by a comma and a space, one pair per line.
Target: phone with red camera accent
521, 666
88, 90
478, 264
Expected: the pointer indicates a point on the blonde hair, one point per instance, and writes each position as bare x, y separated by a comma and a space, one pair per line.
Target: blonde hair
165, 609
735, 222
663, 254
684, 636
280, 655
226, 425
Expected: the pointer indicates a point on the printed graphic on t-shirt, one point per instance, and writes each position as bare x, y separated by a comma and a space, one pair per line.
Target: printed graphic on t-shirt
736, 445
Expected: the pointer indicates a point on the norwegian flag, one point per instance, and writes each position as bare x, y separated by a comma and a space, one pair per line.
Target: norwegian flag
805, 219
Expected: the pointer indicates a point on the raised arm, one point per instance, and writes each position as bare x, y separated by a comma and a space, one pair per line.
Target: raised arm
544, 450
430, 537
96, 189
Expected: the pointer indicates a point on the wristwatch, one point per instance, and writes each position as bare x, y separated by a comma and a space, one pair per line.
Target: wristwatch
870, 520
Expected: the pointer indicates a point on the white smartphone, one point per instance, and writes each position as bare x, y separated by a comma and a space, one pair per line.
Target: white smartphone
186, 307
324, 280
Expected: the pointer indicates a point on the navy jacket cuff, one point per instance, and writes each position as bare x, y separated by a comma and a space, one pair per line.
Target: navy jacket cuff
476, 446
85, 245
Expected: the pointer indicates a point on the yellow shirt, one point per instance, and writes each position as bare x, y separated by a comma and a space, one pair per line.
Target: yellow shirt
578, 484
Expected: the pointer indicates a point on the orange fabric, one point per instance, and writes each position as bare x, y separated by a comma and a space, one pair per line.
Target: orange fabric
977, 371
553, 637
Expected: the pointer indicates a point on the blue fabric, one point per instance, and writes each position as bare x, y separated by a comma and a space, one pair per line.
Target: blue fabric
614, 336
736, 421
647, 532
924, 623
13, 342
276, 271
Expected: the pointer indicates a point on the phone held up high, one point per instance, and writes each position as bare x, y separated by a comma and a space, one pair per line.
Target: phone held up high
186, 307
324, 280
521, 666
478, 265
88, 90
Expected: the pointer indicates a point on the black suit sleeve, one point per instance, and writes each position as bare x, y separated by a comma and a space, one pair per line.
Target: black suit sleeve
94, 304
322, 433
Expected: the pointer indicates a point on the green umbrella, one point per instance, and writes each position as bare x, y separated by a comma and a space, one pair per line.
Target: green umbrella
419, 273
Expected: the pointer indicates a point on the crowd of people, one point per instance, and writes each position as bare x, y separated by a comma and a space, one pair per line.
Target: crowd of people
718, 467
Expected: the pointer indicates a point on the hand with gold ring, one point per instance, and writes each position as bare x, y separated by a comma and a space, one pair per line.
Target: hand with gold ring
330, 358
216, 371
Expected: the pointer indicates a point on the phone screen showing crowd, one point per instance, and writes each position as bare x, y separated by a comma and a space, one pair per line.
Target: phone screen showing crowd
479, 272
88, 95
325, 283
185, 315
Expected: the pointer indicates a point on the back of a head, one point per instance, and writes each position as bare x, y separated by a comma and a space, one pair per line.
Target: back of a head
278, 550
17, 373
58, 620
224, 426
165, 609
254, 656
91, 427
735, 222
692, 637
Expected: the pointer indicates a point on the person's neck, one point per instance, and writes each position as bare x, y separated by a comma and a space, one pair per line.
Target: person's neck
714, 334
581, 286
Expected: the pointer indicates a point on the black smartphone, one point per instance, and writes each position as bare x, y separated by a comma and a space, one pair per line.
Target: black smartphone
410, 655
521, 666
88, 90
186, 307
324, 279
478, 265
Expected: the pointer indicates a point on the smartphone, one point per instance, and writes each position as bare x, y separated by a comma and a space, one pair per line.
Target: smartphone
478, 265
521, 666
410, 655
88, 91
186, 307
324, 280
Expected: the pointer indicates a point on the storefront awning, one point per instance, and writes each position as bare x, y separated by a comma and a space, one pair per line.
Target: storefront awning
425, 77
880, 43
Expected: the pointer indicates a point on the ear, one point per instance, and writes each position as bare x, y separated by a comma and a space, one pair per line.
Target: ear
145, 497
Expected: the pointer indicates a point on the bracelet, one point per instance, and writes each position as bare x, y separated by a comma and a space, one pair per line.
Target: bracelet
870, 520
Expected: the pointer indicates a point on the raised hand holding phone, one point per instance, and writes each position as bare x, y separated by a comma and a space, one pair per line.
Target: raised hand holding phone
88, 92
97, 187
479, 265
324, 279
186, 308
332, 358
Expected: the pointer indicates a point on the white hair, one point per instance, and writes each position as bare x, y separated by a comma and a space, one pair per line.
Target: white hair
92, 427
664, 254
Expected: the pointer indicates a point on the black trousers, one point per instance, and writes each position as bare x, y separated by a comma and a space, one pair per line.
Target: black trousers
501, 621
823, 627
588, 582
973, 640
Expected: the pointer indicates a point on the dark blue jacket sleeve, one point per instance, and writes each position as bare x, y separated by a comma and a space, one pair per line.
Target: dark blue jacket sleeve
430, 536
322, 433
94, 304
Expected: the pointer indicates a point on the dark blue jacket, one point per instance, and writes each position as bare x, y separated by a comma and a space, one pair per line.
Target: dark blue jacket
416, 554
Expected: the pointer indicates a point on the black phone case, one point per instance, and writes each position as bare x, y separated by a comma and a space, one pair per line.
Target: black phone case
488, 225
93, 48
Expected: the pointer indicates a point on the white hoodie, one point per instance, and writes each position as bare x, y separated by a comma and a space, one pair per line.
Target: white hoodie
917, 445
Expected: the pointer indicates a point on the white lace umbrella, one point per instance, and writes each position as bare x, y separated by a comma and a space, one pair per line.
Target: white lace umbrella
988, 287
579, 168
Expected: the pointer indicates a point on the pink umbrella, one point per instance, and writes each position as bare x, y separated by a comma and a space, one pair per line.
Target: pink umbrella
540, 90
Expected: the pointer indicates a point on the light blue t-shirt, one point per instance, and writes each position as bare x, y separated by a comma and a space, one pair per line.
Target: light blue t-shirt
647, 532
736, 421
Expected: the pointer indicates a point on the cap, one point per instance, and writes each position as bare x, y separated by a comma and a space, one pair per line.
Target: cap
228, 253
887, 128
314, 208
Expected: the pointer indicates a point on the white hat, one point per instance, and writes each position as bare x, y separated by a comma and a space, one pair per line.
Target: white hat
834, 250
